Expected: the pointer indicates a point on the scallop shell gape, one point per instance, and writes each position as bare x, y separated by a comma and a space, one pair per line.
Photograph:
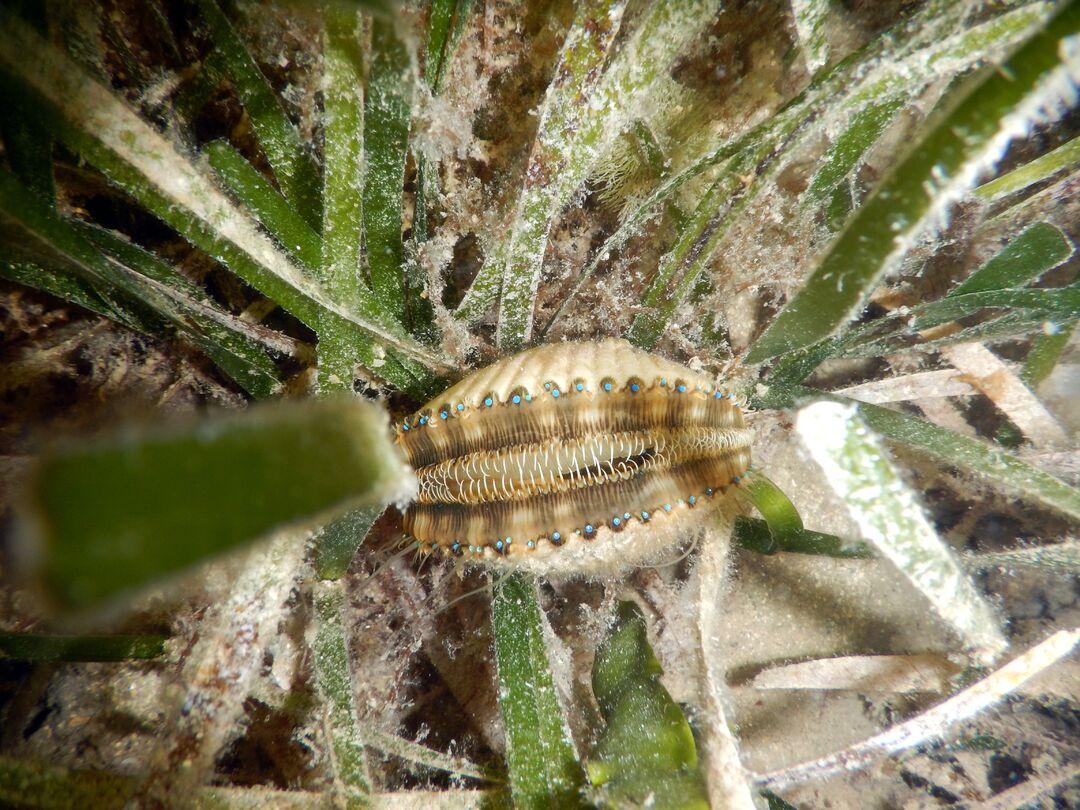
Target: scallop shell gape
571, 457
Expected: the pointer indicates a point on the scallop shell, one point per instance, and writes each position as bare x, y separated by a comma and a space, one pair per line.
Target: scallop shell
583, 457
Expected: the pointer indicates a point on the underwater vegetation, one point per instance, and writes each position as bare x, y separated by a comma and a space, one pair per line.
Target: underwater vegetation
256, 259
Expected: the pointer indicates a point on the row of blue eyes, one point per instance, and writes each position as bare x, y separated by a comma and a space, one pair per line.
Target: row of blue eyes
589, 528
556, 393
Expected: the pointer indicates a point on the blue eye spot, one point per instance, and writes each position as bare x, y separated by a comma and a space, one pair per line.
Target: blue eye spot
625, 515
667, 507
634, 387
736, 479
423, 420
461, 406
531, 544
718, 395
547, 386
709, 491
516, 399
444, 415
681, 389
615, 521
404, 425
528, 397
607, 387
499, 545
487, 402
555, 393
692, 500
580, 386
555, 537
508, 540
589, 528
644, 515
663, 381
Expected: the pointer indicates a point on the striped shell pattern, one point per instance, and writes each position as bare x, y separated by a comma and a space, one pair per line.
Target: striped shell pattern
575, 457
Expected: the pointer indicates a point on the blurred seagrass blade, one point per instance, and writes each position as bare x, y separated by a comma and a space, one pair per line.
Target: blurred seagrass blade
542, 765
960, 147
891, 518
37, 647
56, 788
977, 457
111, 514
646, 754
105, 131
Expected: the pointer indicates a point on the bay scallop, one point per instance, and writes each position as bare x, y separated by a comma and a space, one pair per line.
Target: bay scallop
573, 457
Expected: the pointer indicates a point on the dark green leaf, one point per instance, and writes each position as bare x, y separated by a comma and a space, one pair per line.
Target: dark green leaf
646, 756
223, 338
177, 190
154, 303
47, 239
862, 132
782, 529
74, 290
1036, 250
445, 25
777, 509
775, 802
1044, 355
755, 535
27, 144
1059, 304
337, 541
